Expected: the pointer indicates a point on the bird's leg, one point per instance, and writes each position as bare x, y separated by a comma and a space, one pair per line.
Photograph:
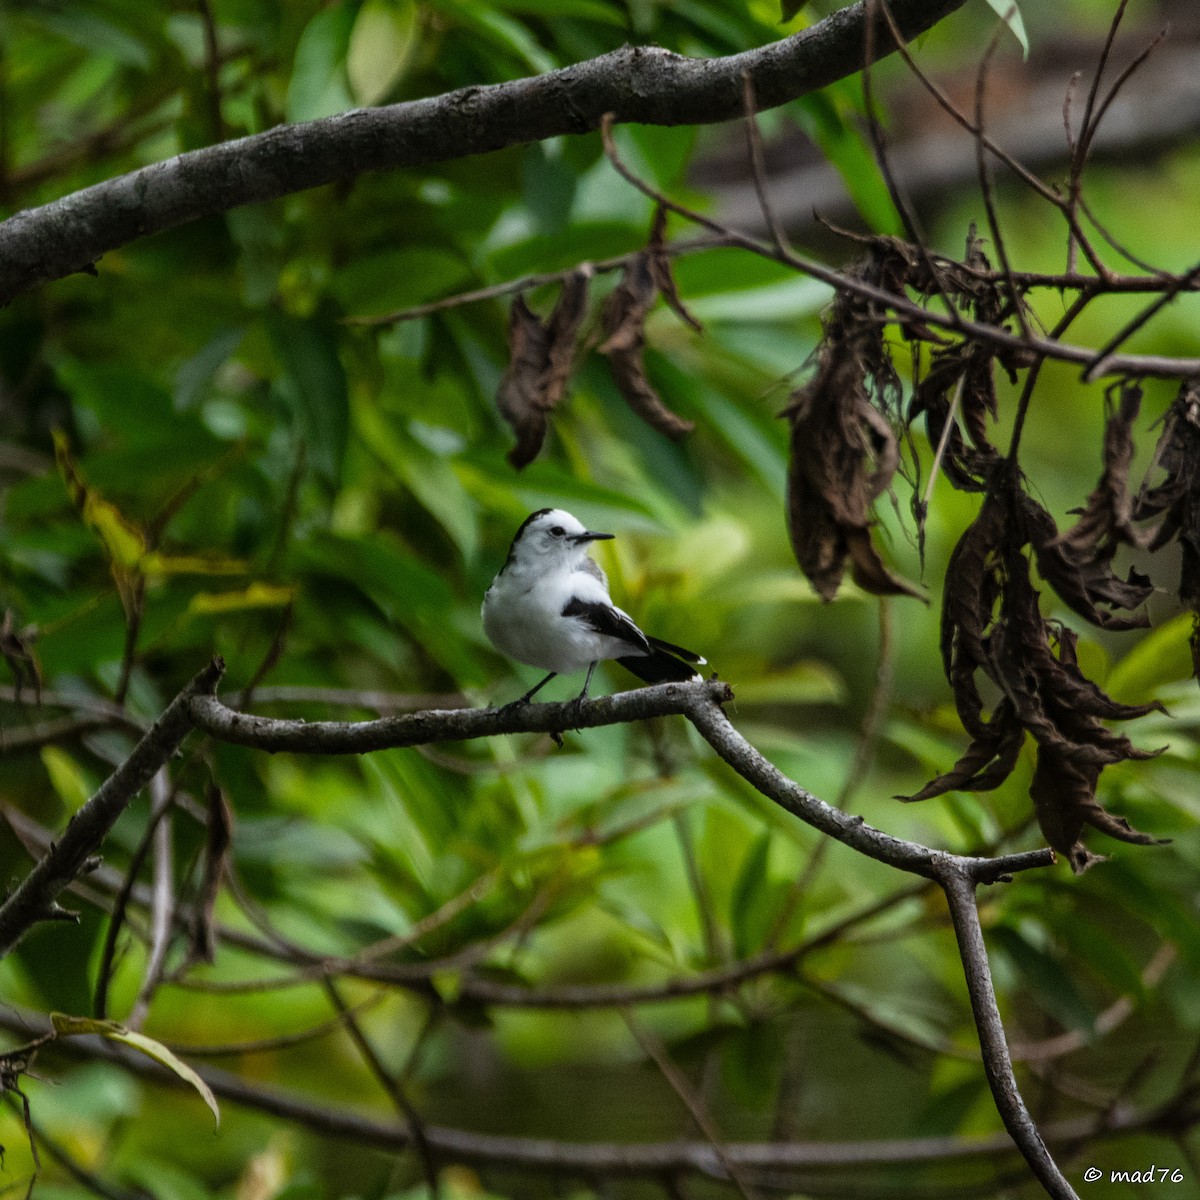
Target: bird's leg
577, 703
529, 695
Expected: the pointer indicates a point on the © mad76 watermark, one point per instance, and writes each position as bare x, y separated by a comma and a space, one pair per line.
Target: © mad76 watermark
1150, 1174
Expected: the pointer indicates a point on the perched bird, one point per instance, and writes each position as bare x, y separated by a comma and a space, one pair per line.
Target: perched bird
549, 607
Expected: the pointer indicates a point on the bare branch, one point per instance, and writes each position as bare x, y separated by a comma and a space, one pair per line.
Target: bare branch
960, 896
447, 725
636, 83
912, 317
691, 1100
35, 898
714, 726
614, 1159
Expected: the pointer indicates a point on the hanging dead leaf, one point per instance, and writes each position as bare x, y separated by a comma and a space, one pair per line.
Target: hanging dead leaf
541, 354
1064, 800
987, 762
992, 626
1081, 572
844, 455
660, 270
1177, 499
1107, 518
623, 320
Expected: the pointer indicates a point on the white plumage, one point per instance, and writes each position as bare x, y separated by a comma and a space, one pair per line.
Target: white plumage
549, 607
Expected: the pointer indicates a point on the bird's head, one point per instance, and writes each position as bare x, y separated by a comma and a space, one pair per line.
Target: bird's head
552, 537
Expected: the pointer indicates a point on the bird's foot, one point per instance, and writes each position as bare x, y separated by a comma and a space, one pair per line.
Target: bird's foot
513, 705
575, 710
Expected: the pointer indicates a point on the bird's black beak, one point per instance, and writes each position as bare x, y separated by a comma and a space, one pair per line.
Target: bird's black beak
588, 536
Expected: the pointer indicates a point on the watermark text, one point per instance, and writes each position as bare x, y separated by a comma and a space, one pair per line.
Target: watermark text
1150, 1174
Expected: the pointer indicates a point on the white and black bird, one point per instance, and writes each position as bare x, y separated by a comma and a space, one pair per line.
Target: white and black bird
549, 607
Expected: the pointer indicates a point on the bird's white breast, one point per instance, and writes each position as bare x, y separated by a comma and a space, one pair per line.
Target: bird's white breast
523, 618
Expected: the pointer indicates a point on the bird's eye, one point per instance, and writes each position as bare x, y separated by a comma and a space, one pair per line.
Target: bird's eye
558, 531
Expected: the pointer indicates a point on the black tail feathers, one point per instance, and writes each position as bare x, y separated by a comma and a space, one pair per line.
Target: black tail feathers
666, 663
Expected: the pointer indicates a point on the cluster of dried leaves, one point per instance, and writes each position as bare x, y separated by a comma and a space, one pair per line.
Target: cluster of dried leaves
844, 449
542, 352
992, 623
846, 427
994, 639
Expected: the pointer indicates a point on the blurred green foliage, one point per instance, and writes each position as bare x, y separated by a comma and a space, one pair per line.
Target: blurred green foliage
342, 496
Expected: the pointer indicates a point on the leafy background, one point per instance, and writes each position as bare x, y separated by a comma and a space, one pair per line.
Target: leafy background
284, 485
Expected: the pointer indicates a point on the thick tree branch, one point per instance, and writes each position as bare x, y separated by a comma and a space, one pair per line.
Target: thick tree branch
447, 725
636, 83
35, 898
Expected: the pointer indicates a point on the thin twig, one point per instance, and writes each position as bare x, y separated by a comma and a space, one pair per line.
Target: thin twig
608, 1159
900, 202
691, 1101
1016, 303
758, 168
391, 1085
943, 442
912, 317
162, 911
35, 898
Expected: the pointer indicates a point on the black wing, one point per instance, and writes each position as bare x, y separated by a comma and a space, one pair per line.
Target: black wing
659, 667
603, 618
678, 651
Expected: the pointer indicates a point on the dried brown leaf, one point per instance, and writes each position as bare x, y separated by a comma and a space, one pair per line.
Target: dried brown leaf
660, 270
1064, 798
867, 569
973, 586
966, 466
992, 624
1177, 498
541, 354
986, 763
1107, 518
562, 328
623, 320
844, 455
1083, 577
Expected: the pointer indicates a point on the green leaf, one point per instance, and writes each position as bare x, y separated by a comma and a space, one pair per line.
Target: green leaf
391, 279
841, 140
1048, 979
68, 1026
1160, 657
429, 476
803, 683
1010, 14
787, 300
67, 778
93, 33
447, 984
746, 901
319, 87
383, 42
500, 30
257, 595
314, 387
